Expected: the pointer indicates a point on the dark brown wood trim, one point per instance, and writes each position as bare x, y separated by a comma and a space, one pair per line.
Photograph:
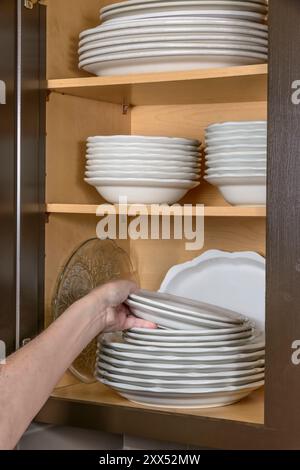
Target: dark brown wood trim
283, 221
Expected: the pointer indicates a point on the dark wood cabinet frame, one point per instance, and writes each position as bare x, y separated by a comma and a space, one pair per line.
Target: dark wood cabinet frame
282, 392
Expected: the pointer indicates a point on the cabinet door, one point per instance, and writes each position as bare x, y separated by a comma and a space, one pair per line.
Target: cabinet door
7, 173
22, 172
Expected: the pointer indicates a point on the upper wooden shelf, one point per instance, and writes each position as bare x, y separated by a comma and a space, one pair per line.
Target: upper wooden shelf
230, 84
214, 211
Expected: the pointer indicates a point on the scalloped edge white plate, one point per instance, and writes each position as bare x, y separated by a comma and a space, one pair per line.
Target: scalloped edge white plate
240, 285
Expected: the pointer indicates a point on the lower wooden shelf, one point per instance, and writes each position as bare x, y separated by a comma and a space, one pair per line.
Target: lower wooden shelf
250, 409
215, 211
94, 406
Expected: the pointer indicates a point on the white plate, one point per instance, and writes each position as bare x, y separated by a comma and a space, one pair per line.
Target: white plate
144, 26
165, 45
158, 332
183, 360
177, 383
176, 60
184, 338
164, 374
183, 398
138, 139
150, 4
177, 29
202, 353
137, 164
213, 344
231, 280
203, 38
164, 9
244, 172
125, 174
237, 163
180, 368
181, 305
172, 320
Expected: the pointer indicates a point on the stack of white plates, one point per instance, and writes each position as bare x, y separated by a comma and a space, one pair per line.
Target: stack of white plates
236, 160
200, 356
145, 170
139, 36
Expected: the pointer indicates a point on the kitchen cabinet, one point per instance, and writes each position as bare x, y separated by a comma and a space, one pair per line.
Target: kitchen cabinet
174, 104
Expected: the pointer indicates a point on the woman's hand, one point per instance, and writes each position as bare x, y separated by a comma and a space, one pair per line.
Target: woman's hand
108, 302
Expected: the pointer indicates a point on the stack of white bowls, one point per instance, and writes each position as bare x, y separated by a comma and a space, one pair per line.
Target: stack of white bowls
200, 356
145, 170
236, 160
138, 36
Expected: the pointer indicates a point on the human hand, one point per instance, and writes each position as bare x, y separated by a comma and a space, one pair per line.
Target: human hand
115, 316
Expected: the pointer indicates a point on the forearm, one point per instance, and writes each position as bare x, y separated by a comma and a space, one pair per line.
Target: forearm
30, 375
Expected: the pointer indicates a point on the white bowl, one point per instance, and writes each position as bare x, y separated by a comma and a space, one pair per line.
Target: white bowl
236, 164
241, 191
120, 174
141, 139
142, 191
140, 165
237, 155
241, 132
235, 148
143, 182
238, 171
136, 195
228, 140
145, 157
125, 149
236, 126
145, 168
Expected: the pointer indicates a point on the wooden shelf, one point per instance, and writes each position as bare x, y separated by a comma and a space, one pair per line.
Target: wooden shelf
230, 84
250, 410
226, 211
94, 406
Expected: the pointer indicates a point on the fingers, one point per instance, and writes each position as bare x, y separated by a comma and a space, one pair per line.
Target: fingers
133, 322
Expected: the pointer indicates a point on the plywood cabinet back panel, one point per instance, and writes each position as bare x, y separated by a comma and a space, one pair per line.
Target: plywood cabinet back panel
70, 120
65, 20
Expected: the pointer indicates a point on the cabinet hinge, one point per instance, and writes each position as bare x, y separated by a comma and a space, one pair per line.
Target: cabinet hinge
125, 108
29, 4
